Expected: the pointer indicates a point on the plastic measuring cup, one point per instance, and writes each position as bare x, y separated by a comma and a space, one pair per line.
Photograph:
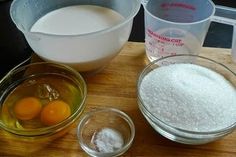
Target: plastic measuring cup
180, 26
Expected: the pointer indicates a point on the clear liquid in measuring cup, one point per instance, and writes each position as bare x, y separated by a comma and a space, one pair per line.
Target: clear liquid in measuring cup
170, 41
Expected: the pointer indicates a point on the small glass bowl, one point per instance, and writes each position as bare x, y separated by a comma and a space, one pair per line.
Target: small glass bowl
177, 134
27, 76
106, 118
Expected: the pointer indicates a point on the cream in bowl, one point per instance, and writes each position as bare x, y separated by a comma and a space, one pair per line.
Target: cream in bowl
86, 35
77, 19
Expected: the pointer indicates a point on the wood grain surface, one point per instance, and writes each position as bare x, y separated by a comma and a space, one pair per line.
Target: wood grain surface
115, 86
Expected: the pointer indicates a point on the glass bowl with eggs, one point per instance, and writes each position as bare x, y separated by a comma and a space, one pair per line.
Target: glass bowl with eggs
41, 99
188, 99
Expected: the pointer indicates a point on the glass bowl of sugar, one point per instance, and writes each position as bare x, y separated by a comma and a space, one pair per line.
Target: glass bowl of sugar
188, 99
105, 132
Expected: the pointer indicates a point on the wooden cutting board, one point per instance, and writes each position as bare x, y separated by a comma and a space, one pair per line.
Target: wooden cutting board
115, 86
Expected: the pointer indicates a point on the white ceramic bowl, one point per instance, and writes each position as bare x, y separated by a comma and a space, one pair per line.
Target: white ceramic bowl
84, 52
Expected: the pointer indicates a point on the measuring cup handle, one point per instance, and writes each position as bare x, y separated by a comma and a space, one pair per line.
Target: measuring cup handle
227, 15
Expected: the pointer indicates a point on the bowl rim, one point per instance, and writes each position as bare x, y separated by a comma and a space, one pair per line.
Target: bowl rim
47, 130
119, 113
133, 13
142, 75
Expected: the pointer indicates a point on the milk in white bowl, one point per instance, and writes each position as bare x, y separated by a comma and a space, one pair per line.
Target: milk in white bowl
86, 35
78, 19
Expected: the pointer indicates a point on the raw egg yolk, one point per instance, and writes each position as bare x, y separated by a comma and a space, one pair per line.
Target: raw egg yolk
27, 108
55, 112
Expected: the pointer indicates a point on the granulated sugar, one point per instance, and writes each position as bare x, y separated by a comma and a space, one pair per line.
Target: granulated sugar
189, 97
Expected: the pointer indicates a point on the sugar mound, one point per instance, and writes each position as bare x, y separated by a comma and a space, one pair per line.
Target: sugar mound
189, 97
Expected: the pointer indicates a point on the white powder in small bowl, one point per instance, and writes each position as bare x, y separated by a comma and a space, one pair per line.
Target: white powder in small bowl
108, 140
189, 97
